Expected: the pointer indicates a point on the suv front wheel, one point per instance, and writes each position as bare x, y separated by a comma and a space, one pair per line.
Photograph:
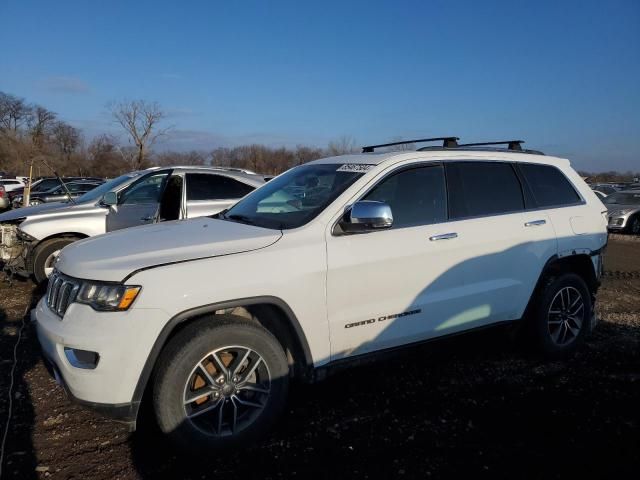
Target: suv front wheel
220, 382
561, 315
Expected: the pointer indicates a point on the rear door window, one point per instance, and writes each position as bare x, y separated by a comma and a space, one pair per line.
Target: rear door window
549, 186
482, 189
205, 186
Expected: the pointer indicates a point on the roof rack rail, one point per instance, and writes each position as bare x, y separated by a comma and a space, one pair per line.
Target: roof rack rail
447, 142
511, 144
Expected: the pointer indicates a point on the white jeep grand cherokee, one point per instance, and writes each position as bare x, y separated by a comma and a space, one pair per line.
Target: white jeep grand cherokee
209, 319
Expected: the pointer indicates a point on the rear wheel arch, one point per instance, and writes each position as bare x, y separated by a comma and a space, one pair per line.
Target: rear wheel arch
555, 266
270, 312
580, 264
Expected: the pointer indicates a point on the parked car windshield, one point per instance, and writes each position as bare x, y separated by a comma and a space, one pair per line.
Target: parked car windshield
623, 198
97, 193
295, 197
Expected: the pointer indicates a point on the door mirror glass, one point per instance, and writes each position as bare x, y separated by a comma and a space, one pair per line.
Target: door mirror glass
110, 198
366, 216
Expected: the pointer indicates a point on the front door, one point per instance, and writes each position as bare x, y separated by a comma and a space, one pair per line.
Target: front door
395, 286
138, 204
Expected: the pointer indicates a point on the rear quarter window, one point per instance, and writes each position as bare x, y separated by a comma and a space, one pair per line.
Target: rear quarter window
549, 186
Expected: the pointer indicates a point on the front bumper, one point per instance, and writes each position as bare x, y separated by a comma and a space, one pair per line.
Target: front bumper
123, 341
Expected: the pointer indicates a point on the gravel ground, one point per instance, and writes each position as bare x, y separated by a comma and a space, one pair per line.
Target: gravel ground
473, 405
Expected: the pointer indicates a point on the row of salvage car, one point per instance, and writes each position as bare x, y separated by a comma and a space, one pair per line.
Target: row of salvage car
31, 238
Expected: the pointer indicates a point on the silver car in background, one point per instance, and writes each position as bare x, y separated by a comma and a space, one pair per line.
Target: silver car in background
32, 237
624, 211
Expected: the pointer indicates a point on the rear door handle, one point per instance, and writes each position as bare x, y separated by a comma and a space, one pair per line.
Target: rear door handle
535, 223
146, 219
444, 236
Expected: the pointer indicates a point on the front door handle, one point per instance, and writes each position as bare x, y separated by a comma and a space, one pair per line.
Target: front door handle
444, 236
535, 223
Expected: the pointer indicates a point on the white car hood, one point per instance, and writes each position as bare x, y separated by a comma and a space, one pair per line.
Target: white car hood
113, 256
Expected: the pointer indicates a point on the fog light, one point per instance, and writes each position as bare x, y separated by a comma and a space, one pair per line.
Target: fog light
82, 358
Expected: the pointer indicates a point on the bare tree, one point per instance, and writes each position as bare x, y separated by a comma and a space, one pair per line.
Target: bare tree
14, 112
140, 120
66, 138
41, 122
193, 157
342, 146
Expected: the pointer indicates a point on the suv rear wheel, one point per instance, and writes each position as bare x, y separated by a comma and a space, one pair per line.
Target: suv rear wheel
561, 315
220, 382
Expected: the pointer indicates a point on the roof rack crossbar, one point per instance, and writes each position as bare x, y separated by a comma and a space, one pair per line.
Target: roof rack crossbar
447, 142
511, 144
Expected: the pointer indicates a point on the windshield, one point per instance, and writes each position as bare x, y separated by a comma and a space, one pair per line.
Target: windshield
624, 198
97, 193
295, 197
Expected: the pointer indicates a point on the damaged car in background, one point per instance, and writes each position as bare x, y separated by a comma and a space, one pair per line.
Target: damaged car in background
31, 238
624, 211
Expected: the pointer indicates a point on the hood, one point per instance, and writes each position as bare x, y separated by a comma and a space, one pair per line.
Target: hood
612, 207
113, 256
35, 210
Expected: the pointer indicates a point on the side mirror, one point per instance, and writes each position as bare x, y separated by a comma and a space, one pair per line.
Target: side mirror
110, 199
367, 216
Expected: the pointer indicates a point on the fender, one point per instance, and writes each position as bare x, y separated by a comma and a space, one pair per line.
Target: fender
209, 308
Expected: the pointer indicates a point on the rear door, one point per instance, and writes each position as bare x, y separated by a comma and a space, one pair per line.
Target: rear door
210, 193
505, 244
138, 203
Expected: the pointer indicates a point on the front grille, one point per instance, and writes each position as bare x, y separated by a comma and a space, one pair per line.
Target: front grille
61, 292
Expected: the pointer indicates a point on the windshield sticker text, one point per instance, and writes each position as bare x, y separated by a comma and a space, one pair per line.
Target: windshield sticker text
355, 168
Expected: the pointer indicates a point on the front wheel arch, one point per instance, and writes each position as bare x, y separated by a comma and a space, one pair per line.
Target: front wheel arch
280, 321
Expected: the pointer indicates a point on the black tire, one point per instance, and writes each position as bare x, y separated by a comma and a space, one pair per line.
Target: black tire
177, 366
634, 225
43, 252
544, 325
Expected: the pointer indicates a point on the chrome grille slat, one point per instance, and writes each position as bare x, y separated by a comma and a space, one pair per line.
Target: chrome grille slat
61, 293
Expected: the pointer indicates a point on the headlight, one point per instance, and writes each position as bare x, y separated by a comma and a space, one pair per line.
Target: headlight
107, 297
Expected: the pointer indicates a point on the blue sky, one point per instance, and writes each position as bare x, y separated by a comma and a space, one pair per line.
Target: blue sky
563, 75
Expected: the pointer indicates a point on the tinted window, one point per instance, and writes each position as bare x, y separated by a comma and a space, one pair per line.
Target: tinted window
204, 186
483, 188
144, 191
416, 196
549, 185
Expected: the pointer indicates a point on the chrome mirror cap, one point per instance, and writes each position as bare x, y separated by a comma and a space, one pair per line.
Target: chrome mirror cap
368, 215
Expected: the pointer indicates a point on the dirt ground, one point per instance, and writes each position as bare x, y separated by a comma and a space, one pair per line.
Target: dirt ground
473, 405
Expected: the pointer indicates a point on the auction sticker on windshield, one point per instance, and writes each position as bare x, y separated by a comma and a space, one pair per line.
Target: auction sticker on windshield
355, 168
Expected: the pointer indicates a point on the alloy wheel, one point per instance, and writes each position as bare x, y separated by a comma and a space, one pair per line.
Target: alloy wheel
50, 262
227, 390
566, 316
